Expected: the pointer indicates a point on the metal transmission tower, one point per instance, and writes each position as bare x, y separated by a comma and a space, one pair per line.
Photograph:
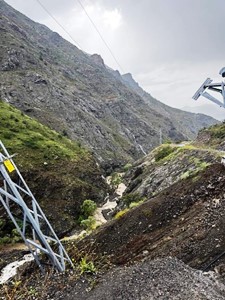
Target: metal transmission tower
216, 87
17, 197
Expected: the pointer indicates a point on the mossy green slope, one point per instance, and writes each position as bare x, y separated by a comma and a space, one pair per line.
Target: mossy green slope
212, 137
61, 173
37, 142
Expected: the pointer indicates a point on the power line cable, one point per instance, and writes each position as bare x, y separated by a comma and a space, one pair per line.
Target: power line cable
63, 28
99, 33
48, 12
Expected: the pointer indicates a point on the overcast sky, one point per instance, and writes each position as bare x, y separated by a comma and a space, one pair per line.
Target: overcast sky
169, 46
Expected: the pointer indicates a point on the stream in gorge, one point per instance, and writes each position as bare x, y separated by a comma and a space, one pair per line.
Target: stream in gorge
10, 270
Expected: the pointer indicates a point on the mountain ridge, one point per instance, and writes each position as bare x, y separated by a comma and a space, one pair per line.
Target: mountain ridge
73, 92
180, 116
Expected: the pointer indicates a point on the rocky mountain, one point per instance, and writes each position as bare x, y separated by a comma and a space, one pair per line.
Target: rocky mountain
188, 123
209, 109
76, 94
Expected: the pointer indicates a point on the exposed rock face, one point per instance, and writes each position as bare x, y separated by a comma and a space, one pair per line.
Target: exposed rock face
148, 176
98, 60
188, 124
213, 136
73, 92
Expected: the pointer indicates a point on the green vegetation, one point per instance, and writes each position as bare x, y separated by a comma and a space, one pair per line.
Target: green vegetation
212, 136
8, 232
186, 174
187, 150
127, 167
131, 198
86, 218
198, 167
135, 204
116, 179
121, 213
167, 141
217, 131
35, 141
86, 266
163, 152
65, 171
88, 208
89, 223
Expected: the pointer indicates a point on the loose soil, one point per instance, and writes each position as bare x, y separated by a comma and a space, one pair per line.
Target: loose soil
185, 222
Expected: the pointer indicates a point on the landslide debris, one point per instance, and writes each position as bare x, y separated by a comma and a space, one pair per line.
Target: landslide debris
145, 253
165, 278
149, 252
161, 279
185, 221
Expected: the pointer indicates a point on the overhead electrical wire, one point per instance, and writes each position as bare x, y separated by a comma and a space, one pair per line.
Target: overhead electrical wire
48, 12
100, 35
92, 22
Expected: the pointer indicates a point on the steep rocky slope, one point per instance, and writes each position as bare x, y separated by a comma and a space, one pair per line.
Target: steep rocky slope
75, 93
212, 137
168, 164
188, 123
184, 221
183, 188
60, 173
180, 222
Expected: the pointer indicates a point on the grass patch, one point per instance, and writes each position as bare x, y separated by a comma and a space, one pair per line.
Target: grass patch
217, 131
132, 198
86, 218
89, 223
36, 142
116, 179
121, 213
86, 266
135, 204
199, 166
163, 152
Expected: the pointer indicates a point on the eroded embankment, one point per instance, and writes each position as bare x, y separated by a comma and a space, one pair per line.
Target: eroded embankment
186, 221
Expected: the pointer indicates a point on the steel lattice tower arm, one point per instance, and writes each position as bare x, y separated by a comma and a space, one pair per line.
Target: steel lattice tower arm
18, 197
215, 87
